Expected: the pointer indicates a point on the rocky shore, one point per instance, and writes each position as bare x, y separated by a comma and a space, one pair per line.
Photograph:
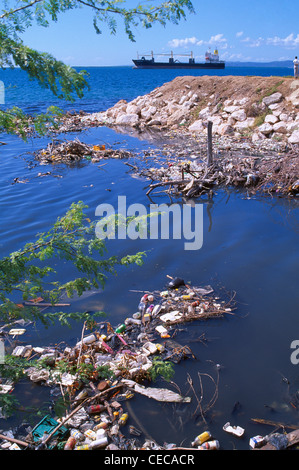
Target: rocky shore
255, 118
260, 109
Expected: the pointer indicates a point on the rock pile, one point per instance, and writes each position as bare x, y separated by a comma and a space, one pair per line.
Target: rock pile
265, 108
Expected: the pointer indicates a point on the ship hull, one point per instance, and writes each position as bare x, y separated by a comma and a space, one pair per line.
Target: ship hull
148, 64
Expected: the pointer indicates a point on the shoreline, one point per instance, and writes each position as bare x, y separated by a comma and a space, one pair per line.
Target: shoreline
253, 117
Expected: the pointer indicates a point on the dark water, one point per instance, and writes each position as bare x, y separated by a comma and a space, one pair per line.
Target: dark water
249, 246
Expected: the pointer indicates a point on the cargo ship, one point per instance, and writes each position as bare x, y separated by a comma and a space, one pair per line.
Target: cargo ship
211, 62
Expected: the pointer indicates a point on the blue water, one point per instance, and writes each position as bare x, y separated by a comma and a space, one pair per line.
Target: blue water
110, 84
250, 246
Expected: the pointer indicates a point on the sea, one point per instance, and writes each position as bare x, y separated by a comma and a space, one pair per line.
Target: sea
241, 369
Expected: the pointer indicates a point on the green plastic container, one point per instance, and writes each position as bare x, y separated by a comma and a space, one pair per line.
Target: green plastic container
48, 424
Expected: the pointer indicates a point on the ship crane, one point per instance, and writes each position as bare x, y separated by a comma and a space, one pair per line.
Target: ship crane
164, 54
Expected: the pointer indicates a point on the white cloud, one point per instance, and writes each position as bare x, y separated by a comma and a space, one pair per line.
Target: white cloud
216, 39
289, 41
239, 34
213, 41
182, 42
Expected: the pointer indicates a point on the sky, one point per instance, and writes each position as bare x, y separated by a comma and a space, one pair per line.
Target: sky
243, 31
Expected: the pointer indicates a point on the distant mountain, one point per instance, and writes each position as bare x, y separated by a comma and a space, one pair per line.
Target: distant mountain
276, 63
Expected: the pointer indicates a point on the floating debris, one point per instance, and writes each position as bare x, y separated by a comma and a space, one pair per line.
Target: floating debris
69, 152
107, 367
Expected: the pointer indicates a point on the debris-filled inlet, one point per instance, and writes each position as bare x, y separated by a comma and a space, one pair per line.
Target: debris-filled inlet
97, 414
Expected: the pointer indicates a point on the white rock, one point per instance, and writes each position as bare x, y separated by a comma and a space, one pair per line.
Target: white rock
147, 113
239, 115
204, 111
274, 106
183, 99
280, 127
225, 129
244, 124
197, 126
257, 136
274, 98
230, 109
271, 119
188, 104
265, 128
243, 101
284, 117
127, 119
230, 121
292, 126
216, 120
132, 109
294, 138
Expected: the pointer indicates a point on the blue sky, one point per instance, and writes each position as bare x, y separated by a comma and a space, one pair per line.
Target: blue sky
255, 30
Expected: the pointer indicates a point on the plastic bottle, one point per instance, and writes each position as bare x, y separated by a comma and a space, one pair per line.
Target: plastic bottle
102, 442
156, 310
94, 409
205, 436
150, 308
70, 443
76, 434
120, 329
210, 445
123, 419
101, 425
87, 340
143, 303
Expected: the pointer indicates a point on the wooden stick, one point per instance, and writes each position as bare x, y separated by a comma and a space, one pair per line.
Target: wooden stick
274, 423
165, 183
15, 441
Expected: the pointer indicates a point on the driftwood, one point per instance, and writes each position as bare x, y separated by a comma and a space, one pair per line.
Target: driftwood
271, 175
15, 441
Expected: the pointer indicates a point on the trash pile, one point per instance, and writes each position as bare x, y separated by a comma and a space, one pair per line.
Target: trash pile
69, 152
190, 178
108, 366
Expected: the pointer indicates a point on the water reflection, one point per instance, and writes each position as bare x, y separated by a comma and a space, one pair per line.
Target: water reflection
249, 247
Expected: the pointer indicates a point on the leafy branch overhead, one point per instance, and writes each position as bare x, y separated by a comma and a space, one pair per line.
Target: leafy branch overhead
62, 80
28, 273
